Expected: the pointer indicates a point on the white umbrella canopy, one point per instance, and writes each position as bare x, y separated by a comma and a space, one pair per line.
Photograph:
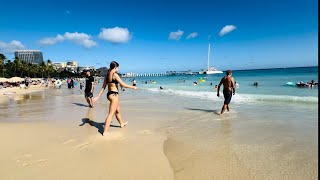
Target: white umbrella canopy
3, 79
16, 79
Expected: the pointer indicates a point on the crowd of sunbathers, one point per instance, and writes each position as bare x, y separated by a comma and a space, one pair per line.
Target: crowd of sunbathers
22, 84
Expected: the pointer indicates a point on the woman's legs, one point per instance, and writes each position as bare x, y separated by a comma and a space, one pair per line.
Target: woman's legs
114, 102
119, 118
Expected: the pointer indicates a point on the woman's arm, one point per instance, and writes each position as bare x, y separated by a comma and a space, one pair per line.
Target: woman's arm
102, 90
122, 83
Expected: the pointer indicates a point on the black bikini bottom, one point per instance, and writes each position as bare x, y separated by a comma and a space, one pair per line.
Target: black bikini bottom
112, 92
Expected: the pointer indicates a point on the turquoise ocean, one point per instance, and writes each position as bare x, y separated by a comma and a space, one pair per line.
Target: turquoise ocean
271, 87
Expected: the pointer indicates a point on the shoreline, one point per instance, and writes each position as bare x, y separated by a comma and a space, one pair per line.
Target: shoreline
168, 137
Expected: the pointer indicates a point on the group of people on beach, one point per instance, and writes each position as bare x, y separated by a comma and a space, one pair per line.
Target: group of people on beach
25, 83
112, 80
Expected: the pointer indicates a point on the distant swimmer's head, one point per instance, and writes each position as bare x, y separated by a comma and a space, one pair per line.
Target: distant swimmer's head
88, 73
229, 72
114, 65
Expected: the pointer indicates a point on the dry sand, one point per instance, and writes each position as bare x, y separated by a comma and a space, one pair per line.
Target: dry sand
54, 135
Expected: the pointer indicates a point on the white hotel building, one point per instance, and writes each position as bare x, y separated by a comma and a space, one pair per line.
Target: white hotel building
29, 56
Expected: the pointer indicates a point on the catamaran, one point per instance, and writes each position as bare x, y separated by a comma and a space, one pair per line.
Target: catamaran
210, 70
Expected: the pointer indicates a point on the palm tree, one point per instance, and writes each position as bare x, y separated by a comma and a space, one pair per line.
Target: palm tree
9, 66
43, 68
23, 68
16, 65
49, 66
2, 60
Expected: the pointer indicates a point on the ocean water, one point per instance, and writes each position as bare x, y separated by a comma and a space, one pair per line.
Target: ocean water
271, 85
271, 129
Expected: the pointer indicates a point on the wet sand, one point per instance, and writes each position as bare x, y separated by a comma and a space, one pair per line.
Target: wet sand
15, 92
54, 135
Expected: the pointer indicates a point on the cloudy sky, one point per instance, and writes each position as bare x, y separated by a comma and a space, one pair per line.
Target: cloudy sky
155, 36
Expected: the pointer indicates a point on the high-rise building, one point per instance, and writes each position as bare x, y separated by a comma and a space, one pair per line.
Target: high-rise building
72, 63
59, 65
29, 56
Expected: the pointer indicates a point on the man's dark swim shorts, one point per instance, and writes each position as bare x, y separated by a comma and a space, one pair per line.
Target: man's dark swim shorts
227, 96
88, 94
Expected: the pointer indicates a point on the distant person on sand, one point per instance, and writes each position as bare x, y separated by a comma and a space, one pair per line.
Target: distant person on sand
216, 87
228, 86
26, 81
112, 79
71, 83
81, 85
88, 91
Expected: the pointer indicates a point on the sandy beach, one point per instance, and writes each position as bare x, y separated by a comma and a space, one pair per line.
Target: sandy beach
17, 92
52, 134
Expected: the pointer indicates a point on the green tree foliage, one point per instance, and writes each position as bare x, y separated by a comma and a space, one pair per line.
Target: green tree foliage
21, 68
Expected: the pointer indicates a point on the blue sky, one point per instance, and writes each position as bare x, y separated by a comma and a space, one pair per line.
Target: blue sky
261, 34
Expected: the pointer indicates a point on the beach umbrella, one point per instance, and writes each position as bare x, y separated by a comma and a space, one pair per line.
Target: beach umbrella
16, 79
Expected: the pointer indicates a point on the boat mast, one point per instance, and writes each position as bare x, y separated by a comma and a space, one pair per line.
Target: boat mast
208, 55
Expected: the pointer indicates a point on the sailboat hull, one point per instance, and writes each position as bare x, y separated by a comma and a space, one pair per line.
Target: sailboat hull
213, 72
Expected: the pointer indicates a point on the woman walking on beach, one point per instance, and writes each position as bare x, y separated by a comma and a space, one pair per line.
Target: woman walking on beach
112, 79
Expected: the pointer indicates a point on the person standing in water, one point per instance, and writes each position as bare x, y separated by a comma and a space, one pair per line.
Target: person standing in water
81, 85
228, 87
112, 79
88, 91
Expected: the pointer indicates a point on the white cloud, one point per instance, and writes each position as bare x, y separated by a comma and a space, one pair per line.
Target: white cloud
11, 47
68, 12
227, 29
82, 39
115, 35
192, 35
175, 35
51, 41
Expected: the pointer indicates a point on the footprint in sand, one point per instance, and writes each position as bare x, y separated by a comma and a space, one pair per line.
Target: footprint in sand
22, 158
42, 160
34, 162
146, 131
69, 141
83, 145
25, 160
26, 164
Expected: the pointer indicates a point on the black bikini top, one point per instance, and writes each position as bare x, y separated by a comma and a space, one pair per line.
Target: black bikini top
113, 81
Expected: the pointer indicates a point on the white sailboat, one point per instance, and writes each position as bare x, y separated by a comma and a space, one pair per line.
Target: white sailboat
210, 70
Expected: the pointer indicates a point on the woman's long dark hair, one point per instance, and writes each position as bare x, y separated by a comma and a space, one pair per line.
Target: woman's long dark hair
113, 65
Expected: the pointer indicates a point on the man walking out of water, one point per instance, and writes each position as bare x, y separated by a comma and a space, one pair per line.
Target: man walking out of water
228, 86
88, 91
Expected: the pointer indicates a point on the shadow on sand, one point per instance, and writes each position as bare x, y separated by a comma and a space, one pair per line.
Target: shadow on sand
98, 125
79, 104
205, 110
